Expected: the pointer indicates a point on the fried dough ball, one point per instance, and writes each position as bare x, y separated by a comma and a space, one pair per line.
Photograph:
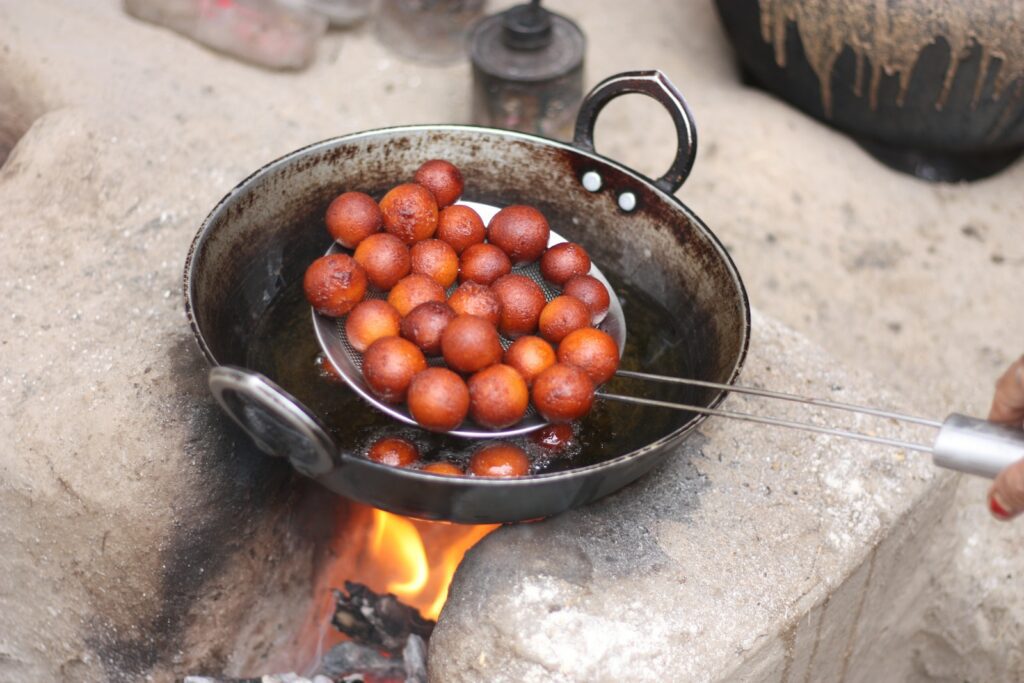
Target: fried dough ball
334, 284
393, 451
389, 366
410, 212
562, 315
442, 178
471, 298
530, 356
563, 393
369, 321
327, 370
413, 290
446, 468
563, 261
592, 351
352, 217
461, 227
554, 438
520, 231
590, 291
483, 263
498, 397
437, 260
385, 258
438, 399
500, 460
424, 325
470, 344
522, 300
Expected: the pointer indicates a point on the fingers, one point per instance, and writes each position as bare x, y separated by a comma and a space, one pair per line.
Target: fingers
1008, 402
1006, 497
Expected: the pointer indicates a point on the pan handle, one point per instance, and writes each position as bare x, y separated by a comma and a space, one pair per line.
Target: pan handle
274, 419
653, 84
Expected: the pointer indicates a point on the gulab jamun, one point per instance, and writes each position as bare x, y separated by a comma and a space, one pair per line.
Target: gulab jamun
483, 263
498, 397
470, 344
554, 438
369, 321
438, 399
563, 261
591, 350
563, 393
389, 366
352, 217
334, 284
522, 300
437, 260
443, 180
385, 258
500, 460
445, 468
520, 231
461, 227
413, 290
410, 212
424, 325
471, 298
530, 356
327, 370
562, 315
590, 291
393, 451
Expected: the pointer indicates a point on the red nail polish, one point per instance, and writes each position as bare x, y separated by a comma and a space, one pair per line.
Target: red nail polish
997, 509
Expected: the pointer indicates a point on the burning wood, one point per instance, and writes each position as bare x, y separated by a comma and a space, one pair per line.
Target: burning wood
377, 620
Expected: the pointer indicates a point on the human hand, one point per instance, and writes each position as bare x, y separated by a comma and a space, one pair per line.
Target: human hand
1006, 497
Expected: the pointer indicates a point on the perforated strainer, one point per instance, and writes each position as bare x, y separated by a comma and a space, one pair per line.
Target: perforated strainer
330, 333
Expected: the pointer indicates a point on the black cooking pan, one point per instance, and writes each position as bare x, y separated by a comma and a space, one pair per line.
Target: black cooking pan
685, 304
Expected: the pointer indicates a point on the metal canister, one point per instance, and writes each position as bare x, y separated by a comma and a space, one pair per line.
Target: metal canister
527, 71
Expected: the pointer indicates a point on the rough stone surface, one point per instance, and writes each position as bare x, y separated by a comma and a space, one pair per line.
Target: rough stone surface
127, 504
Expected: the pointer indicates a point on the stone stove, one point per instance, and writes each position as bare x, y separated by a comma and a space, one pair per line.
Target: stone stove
145, 538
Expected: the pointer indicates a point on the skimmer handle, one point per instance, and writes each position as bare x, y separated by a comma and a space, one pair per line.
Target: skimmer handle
974, 446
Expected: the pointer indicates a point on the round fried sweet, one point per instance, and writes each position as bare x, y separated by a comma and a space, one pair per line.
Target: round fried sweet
438, 399
563, 261
520, 231
483, 263
424, 325
563, 393
369, 321
592, 351
327, 370
389, 366
461, 227
562, 315
530, 356
554, 438
413, 290
385, 258
410, 212
393, 451
352, 217
522, 300
446, 468
442, 178
470, 344
500, 460
334, 284
590, 291
437, 260
471, 298
498, 397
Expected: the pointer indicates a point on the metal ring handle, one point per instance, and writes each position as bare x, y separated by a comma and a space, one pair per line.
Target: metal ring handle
653, 84
274, 419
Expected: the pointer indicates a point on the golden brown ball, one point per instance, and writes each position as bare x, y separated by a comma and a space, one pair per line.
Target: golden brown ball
591, 350
325, 368
410, 212
563, 261
443, 179
461, 227
413, 290
470, 344
389, 366
445, 468
385, 258
530, 356
520, 231
483, 264
498, 397
334, 284
471, 298
562, 315
352, 217
521, 300
369, 321
503, 460
424, 325
554, 438
393, 451
590, 291
563, 393
437, 260
438, 399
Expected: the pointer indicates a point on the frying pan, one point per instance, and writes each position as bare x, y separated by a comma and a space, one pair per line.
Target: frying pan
254, 247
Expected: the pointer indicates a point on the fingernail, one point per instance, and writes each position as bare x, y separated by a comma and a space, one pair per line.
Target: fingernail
998, 511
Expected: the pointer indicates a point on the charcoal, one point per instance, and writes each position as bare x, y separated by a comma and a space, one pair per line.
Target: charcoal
379, 621
345, 659
414, 656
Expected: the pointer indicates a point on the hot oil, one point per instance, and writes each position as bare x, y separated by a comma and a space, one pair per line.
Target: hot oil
285, 349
